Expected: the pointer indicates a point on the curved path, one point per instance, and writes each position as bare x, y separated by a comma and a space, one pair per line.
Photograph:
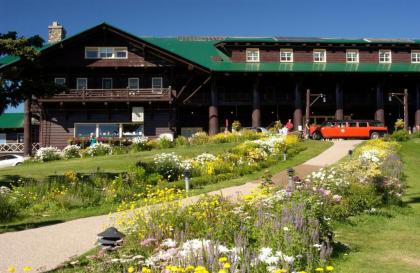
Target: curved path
47, 247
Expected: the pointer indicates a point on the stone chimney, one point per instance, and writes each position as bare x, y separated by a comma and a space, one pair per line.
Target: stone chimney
56, 32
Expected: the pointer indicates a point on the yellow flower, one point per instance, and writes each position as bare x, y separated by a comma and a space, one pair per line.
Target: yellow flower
302, 271
130, 269
223, 259
146, 270
280, 270
319, 269
330, 268
222, 271
27, 268
11, 268
226, 266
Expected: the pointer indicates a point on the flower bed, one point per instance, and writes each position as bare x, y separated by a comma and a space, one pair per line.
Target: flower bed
270, 231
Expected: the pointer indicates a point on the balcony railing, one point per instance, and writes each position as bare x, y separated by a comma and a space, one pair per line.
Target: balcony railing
16, 148
144, 94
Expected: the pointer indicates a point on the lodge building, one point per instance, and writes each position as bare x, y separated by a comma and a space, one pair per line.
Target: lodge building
123, 85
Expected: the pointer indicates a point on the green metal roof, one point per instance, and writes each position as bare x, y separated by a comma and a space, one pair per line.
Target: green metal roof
203, 51
11, 120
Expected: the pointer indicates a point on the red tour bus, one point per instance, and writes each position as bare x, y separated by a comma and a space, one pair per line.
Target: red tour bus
348, 129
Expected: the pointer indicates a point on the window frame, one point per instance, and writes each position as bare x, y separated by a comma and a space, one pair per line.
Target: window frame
257, 60
352, 51
60, 78
418, 56
77, 83
287, 50
112, 83
161, 83
114, 50
138, 83
384, 51
319, 50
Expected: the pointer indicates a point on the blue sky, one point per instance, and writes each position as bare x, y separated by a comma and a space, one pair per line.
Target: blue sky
368, 18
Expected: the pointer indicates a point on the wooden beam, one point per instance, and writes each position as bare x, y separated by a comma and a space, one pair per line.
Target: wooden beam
197, 89
185, 86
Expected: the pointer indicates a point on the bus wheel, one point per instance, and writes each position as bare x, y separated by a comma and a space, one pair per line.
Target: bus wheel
317, 136
374, 135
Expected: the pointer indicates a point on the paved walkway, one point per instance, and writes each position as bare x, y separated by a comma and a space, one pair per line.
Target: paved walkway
47, 247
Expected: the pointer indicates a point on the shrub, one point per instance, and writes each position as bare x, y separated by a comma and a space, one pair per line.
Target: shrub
99, 149
8, 208
181, 141
48, 154
71, 151
400, 135
399, 124
165, 142
168, 165
141, 143
199, 138
236, 125
416, 134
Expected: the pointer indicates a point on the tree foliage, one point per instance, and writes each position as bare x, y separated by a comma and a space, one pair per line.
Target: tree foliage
24, 78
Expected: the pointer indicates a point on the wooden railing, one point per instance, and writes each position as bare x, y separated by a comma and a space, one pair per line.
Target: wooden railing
16, 148
144, 94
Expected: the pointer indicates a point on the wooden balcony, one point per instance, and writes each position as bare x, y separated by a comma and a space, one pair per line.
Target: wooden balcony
105, 95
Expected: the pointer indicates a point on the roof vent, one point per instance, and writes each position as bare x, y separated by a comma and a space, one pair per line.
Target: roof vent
56, 33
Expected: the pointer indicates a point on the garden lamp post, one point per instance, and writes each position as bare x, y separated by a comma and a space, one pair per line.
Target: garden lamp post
403, 99
309, 103
290, 174
187, 175
110, 239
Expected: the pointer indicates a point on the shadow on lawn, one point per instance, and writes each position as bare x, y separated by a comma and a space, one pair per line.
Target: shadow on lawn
27, 225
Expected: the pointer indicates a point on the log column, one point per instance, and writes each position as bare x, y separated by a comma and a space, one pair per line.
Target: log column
297, 114
27, 141
339, 112
256, 105
417, 113
213, 109
380, 114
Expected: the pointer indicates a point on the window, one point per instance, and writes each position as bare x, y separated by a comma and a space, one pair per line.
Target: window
84, 130
91, 53
415, 56
252, 55
81, 83
133, 83
106, 53
385, 56
2, 138
363, 124
320, 56
109, 130
286, 55
60, 81
352, 56
157, 83
132, 129
106, 83
19, 137
120, 52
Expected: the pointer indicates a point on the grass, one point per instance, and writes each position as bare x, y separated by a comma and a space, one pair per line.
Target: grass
119, 163
389, 240
110, 164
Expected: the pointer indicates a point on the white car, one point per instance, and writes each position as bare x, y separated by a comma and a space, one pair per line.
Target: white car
11, 160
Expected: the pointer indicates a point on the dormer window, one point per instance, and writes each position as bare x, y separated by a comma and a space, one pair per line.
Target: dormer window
286, 55
385, 56
320, 56
415, 56
352, 56
252, 55
106, 53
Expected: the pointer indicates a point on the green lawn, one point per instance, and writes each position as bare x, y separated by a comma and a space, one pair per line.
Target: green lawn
119, 163
388, 242
111, 164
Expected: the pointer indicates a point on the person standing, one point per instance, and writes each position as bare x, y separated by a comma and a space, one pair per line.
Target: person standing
289, 125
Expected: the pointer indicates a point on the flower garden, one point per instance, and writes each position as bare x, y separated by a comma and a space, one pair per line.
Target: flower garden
272, 230
60, 194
